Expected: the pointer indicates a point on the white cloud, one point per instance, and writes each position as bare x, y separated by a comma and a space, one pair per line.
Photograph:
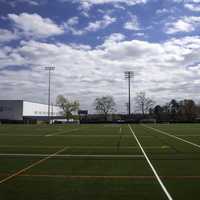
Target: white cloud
112, 39
161, 11
133, 24
85, 8
192, 1
140, 34
31, 2
100, 24
85, 5
129, 2
13, 3
88, 3
185, 24
192, 7
167, 70
33, 25
73, 21
165, 11
70, 25
115, 37
7, 36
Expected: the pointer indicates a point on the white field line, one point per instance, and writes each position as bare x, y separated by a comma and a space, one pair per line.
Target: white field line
107, 177
173, 136
120, 130
30, 147
61, 132
8, 135
31, 166
74, 155
188, 135
83, 147
151, 166
112, 125
90, 136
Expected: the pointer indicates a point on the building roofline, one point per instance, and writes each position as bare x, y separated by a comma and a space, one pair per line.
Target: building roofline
26, 101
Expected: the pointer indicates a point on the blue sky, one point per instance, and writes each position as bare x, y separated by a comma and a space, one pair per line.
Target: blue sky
150, 16
92, 42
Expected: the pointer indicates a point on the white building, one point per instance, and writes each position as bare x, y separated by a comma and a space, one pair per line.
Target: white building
19, 110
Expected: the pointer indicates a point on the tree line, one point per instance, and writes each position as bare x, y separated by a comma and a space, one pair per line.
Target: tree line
185, 110
103, 105
177, 111
173, 111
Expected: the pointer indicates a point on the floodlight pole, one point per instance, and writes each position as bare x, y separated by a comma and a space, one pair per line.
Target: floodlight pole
49, 92
129, 75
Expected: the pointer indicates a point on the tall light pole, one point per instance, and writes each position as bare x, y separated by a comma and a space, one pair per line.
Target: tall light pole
129, 75
49, 92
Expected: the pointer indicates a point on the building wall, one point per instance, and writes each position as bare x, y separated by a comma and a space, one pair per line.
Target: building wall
19, 110
11, 109
40, 110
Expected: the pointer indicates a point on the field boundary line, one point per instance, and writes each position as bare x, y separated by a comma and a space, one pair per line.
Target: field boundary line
74, 155
151, 166
173, 136
31, 166
106, 176
20, 135
88, 136
84, 147
137, 177
31, 147
188, 135
8, 135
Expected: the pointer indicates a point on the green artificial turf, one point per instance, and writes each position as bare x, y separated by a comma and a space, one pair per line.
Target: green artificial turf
99, 177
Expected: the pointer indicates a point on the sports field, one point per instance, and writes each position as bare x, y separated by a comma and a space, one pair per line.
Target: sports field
100, 162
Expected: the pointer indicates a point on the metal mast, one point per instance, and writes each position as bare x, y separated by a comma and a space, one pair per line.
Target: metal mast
49, 92
129, 75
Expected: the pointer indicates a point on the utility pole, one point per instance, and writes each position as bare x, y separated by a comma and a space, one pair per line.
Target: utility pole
49, 92
129, 75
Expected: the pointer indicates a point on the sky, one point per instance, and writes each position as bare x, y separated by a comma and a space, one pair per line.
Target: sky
91, 43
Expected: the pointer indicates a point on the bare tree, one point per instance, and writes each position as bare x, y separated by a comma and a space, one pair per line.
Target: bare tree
144, 104
188, 109
67, 106
104, 105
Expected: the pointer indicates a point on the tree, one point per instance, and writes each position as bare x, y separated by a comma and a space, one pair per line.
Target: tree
67, 106
173, 109
158, 111
144, 104
198, 108
104, 105
188, 109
